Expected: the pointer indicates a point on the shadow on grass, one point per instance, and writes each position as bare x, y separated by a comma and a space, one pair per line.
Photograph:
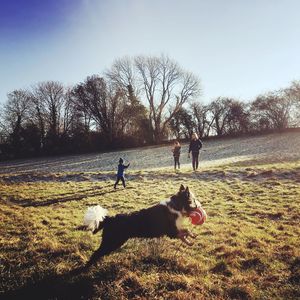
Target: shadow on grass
169, 265
251, 173
66, 286
76, 284
50, 177
78, 197
98, 282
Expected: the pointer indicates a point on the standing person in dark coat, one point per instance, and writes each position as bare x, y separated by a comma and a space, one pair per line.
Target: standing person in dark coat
176, 154
195, 146
120, 174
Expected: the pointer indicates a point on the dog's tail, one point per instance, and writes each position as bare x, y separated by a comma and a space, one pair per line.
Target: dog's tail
94, 218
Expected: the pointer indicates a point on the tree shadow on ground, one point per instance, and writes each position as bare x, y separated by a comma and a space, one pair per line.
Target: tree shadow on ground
52, 177
94, 282
48, 202
247, 174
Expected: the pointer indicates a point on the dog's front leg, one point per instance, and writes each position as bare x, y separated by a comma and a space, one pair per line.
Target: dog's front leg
182, 234
188, 233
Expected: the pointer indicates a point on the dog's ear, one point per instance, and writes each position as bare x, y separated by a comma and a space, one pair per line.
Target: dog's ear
182, 188
187, 191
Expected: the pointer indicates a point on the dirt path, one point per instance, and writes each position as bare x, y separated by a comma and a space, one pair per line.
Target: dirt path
271, 147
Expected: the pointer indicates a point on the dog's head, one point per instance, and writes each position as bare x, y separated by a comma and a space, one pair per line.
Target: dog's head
184, 201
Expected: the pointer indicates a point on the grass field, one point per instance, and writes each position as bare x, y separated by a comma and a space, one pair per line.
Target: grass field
249, 248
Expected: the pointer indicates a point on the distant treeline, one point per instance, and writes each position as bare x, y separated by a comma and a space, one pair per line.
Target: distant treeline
138, 101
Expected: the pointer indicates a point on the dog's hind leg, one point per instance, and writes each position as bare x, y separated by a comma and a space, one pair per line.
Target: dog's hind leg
95, 256
106, 247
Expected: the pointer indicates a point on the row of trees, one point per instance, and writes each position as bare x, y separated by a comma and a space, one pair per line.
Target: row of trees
140, 100
275, 110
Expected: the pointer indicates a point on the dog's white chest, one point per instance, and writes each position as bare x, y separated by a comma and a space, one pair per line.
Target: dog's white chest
179, 219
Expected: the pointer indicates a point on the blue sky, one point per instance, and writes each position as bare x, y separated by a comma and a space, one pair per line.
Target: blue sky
238, 48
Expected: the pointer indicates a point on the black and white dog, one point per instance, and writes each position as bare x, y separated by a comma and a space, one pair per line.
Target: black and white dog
163, 219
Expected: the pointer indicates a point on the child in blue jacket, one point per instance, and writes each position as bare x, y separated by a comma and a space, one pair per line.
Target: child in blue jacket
120, 174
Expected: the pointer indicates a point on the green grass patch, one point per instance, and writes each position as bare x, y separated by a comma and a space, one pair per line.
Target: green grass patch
249, 248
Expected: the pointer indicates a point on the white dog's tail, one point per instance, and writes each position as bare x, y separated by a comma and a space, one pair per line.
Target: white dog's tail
93, 218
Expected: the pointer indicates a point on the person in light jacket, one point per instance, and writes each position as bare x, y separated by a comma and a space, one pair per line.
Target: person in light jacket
176, 154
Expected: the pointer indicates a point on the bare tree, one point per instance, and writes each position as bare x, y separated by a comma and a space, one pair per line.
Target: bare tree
293, 94
38, 114
91, 95
202, 119
15, 117
70, 113
166, 87
104, 102
16, 109
82, 119
160, 83
238, 117
3, 128
274, 107
182, 124
220, 109
123, 75
50, 97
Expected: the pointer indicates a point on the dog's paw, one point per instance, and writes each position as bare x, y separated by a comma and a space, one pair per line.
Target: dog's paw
192, 235
188, 242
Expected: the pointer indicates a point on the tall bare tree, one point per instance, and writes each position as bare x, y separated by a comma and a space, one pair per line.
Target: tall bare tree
160, 83
51, 99
123, 75
166, 87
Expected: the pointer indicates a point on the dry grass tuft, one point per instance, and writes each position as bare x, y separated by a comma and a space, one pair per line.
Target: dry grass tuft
222, 268
239, 293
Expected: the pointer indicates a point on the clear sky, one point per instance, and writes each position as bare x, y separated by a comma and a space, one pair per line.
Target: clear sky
239, 48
